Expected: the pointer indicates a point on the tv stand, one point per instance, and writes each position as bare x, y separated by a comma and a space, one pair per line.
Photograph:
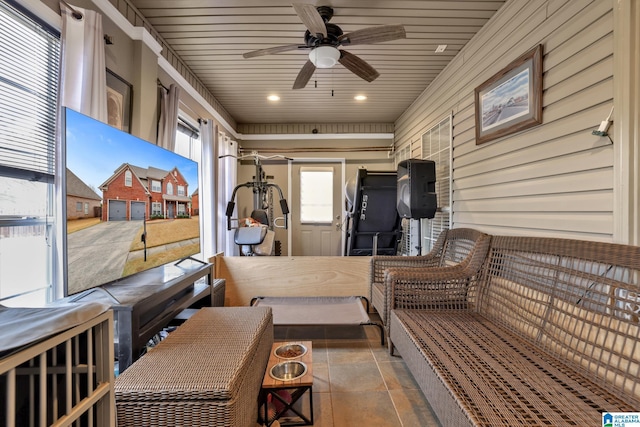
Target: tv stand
146, 302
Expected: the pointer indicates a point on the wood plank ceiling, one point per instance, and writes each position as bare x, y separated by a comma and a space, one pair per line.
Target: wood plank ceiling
211, 36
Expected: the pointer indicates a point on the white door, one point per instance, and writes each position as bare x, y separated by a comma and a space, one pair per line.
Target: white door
316, 208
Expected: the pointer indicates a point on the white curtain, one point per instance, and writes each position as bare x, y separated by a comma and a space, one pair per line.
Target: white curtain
227, 180
208, 217
83, 78
168, 122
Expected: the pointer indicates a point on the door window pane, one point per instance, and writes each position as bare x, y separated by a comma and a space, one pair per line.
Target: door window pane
316, 195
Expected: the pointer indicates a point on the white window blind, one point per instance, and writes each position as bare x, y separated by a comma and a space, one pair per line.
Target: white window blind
436, 146
29, 58
405, 243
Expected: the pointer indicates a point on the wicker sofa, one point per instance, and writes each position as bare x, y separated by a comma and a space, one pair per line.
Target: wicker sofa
206, 373
464, 246
548, 334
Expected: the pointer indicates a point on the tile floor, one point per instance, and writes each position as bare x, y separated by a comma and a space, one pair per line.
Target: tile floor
356, 381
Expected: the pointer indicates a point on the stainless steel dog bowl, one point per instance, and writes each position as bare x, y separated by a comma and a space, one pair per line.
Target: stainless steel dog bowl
290, 351
288, 371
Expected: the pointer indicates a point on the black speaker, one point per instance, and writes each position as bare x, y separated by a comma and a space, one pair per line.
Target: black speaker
416, 192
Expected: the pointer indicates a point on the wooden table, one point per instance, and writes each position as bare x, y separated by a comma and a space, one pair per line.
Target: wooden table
297, 388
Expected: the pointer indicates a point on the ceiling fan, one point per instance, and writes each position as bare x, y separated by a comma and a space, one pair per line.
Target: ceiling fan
324, 39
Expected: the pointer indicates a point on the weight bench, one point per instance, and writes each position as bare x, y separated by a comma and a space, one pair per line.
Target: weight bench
312, 311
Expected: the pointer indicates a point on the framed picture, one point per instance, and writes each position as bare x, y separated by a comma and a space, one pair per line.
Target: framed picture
119, 97
511, 100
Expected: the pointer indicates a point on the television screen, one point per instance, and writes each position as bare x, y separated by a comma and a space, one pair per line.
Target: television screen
130, 204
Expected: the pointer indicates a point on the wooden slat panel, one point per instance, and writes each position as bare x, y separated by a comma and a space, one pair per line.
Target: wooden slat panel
248, 277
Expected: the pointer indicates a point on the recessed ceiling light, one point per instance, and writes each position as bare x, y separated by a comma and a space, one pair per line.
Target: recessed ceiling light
441, 48
359, 97
273, 98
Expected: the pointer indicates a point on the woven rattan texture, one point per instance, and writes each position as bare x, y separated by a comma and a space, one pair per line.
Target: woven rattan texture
456, 246
548, 334
499, 379
207, 372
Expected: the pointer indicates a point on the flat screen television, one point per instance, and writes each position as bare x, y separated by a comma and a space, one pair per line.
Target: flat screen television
130, 204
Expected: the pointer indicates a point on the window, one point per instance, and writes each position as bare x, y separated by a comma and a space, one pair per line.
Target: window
86, 208
181, 190
29, 58
156, 186
405, 243
79, 207
316, 195
436, 146
156, 208
169, 188
182, 209
127, 178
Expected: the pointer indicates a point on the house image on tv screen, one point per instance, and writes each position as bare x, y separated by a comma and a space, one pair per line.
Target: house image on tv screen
137, 193
82, 200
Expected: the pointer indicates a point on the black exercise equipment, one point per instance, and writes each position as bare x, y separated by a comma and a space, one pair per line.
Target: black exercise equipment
372, 220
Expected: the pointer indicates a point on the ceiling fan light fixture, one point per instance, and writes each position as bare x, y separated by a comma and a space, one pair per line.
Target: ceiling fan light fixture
324, 56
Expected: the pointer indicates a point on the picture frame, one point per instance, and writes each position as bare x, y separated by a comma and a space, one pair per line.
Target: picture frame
119, 98
511, 100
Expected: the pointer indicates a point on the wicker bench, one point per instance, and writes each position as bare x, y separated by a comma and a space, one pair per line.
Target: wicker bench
206, 373
455, 246
547, 335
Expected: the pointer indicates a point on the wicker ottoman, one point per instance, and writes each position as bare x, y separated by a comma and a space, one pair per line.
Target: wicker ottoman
206, 373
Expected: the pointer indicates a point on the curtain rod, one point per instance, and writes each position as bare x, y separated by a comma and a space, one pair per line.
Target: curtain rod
74, 12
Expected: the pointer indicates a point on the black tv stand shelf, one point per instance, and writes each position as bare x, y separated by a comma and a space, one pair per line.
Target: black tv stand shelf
148, 301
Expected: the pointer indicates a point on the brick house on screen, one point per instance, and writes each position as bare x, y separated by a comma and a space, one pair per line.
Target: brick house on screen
195, 202
82, 200
136, 193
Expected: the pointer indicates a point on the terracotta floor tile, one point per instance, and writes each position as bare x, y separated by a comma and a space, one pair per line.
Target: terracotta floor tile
413, 409
363, 409
355, 377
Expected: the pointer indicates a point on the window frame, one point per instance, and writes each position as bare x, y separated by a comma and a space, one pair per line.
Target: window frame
41, 166
431, 228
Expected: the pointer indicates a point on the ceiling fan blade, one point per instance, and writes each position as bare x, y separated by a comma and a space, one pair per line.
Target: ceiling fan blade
358, 66
304, 75
370, 35
271, 50
311, 19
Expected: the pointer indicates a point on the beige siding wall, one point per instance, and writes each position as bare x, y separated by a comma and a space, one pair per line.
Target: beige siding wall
555, 179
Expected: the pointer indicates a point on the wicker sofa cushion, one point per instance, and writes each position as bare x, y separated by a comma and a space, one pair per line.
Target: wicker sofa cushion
495, 377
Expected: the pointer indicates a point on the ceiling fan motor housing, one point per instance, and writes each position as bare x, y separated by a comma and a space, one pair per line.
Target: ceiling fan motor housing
333, 33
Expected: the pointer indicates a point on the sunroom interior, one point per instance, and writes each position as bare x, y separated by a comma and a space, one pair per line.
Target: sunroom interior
178, 71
